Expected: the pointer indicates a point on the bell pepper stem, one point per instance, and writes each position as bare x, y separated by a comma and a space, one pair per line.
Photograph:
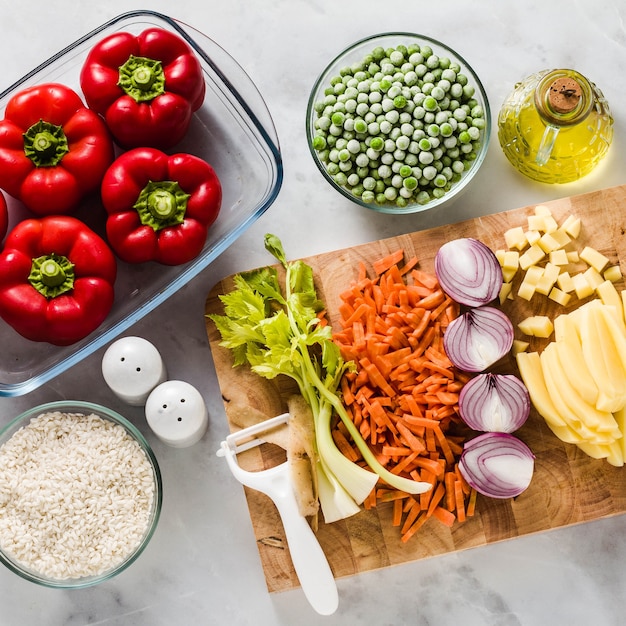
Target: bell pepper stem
52, 275
141, 78
45, 144
162, 204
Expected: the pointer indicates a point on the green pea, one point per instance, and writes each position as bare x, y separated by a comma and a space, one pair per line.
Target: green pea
341, 179
390, 193
399, 102
430, 104
424, 144
377, 143
368, 197
440, 180
405, 171
410, 183
319, 142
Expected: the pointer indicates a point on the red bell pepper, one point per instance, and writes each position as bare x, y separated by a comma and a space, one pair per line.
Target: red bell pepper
56, 279
53, 149
146, 86
4, 217
159, 206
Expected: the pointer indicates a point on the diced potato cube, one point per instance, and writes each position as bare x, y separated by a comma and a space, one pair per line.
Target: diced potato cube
533, 275
526, 290
508, 275
572, 226
543, 210
550, 224
559, 296
536, 326
573, 256
500, 256
558, 257
526, 326
548, 278
561, 237
505, 291
596, 259
581, 286
519, 346
565, 282
511, 260
515, 238
536, 222
510, 264
542, 326
529, 283
613, 273
532, 236
594, 278
532, 256
548, 243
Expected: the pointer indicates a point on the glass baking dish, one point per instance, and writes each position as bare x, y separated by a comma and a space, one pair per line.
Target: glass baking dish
233, 131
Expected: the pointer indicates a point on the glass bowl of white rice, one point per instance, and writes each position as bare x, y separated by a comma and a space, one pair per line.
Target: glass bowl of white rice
80, 494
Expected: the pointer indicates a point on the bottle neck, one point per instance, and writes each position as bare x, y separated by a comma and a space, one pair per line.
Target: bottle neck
563, 97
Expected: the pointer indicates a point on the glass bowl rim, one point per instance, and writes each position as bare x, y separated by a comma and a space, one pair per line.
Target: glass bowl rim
413, 207
237, 86
84, 407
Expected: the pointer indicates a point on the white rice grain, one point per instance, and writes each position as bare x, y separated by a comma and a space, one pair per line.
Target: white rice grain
76, 492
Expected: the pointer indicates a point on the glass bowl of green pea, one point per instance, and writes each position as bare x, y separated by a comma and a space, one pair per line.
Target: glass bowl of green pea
398, 123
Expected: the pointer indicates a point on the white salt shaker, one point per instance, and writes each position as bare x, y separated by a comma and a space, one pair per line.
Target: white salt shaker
132, 367
177, 414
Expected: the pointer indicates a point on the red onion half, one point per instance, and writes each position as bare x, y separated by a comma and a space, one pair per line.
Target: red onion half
478, 338
497, 465
468, 271
494, 403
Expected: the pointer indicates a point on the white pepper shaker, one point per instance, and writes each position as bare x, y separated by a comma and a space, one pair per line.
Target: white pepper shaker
132, 367
177, 414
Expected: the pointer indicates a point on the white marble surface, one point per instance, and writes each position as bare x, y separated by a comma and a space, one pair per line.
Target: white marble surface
202, 566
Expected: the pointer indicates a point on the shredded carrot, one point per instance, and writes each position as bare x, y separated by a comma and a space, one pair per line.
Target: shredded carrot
459, 501
471, 504
437, 496
388, 261
424, 278
419, 522
411, 515
397, 513
444, 516
387, 495
404, 394
449, 479
344, 445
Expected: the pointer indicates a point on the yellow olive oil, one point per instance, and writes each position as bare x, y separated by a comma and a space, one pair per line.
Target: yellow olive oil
555, 126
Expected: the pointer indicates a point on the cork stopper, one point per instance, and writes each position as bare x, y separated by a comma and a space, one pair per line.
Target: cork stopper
564, 94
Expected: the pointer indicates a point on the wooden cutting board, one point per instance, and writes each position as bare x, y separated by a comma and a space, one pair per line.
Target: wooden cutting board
568, 487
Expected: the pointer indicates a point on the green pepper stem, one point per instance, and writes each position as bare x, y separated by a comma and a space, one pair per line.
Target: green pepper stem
161, 204
45, 144
52, 275
141, 78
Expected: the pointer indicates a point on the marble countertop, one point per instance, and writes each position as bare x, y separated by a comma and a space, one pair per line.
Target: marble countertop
202, 566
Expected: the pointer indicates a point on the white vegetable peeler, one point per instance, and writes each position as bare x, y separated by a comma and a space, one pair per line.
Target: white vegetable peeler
309, 560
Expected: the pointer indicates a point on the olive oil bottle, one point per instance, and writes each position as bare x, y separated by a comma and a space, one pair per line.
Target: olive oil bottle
555, 126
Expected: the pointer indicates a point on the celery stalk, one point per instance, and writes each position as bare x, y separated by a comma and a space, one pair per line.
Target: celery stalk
278, 333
